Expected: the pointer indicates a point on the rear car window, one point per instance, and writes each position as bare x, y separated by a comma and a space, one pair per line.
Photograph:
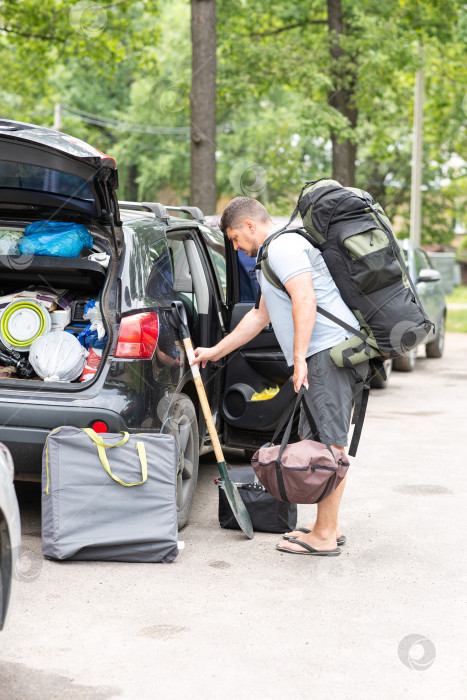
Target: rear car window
21, 176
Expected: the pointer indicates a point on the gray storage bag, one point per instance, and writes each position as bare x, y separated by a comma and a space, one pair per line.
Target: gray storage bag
90, 513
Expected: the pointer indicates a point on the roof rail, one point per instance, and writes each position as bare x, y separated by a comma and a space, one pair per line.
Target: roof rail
194, 212
160, 210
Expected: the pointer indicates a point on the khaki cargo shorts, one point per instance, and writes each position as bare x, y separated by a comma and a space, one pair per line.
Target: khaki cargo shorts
331, 390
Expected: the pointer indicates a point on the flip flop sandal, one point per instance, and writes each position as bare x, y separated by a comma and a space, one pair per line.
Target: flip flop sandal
310, 551
342, 539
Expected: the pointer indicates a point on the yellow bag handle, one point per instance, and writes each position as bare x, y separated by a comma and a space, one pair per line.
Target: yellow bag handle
101, 445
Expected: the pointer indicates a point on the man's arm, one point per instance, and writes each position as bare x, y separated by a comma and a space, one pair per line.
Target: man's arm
250, 326
302, 294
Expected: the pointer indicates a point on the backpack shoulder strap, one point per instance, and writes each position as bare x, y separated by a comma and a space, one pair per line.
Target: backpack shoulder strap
270, 275
359, 419
263, 260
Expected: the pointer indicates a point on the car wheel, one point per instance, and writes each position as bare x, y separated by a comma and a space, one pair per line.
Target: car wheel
436, 347
405, 363
182, 423
377, 382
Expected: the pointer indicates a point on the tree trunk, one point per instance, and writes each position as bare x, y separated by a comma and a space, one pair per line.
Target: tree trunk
344, 152
132, 185
203, 105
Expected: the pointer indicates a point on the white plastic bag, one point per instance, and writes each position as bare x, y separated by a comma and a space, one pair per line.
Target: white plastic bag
57, 357
92, 313
9, 242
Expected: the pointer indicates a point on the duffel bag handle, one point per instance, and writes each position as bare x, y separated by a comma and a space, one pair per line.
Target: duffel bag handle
301, 396
101, 445
312, 419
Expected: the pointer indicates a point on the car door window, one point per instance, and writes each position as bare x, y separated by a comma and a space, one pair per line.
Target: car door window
161, 279
171, 276
417, 263
216, 247
425, 261
182, 279
247, 277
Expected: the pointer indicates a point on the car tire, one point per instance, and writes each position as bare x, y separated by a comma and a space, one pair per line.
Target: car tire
377, 382
182, 423
436, 347
405, 363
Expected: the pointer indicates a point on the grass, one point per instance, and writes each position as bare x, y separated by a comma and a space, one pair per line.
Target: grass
456, 321
459, 295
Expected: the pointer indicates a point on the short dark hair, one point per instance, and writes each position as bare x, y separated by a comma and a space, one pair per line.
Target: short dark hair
241, 208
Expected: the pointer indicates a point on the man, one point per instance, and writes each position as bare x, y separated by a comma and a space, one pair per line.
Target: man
305, 338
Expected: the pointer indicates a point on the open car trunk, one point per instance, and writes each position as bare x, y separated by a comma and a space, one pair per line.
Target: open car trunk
48, 177
71, 283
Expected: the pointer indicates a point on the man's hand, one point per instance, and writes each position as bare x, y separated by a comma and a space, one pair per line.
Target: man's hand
300, 375
251, 324
205, 355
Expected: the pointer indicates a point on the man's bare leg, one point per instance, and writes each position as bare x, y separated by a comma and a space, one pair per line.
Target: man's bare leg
325, 531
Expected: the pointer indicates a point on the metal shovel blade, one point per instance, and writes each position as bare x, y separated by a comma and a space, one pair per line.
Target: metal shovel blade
235, 501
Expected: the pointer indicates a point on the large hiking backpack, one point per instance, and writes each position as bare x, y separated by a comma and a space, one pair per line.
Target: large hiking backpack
362, 254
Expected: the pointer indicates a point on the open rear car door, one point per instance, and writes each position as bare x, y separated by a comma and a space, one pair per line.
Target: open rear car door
257, 366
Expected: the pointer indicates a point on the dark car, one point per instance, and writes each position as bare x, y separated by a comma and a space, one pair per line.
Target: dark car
143, 382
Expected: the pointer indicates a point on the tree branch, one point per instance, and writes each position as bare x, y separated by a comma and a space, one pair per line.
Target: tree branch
29, 35
271, 32
52, 37
100, 7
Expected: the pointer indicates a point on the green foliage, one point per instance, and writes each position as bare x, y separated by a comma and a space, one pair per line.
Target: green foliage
459, 295
51, 47
456, 321
129, 63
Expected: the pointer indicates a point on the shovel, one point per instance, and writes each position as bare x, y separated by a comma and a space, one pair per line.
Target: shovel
238, 507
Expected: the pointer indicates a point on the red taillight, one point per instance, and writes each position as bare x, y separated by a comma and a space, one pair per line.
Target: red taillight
99, 426
137, 338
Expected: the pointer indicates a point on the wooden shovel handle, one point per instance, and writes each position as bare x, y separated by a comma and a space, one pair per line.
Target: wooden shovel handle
204, 401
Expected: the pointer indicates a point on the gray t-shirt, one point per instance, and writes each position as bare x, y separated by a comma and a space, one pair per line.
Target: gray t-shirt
290, 254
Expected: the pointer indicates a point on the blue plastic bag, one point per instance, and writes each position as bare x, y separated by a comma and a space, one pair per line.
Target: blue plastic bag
89, 338
56, 238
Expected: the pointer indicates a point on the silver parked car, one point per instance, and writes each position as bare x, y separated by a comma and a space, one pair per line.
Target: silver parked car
10, 534
430, 290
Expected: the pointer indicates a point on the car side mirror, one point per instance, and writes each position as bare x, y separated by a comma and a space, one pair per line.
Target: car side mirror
428, 274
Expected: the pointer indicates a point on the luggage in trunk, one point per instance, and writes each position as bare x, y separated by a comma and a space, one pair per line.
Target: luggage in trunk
83, 280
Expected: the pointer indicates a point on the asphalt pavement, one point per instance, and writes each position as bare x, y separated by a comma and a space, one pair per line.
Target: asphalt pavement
233, 618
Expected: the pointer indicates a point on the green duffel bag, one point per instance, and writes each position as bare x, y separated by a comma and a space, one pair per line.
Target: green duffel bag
112, 500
